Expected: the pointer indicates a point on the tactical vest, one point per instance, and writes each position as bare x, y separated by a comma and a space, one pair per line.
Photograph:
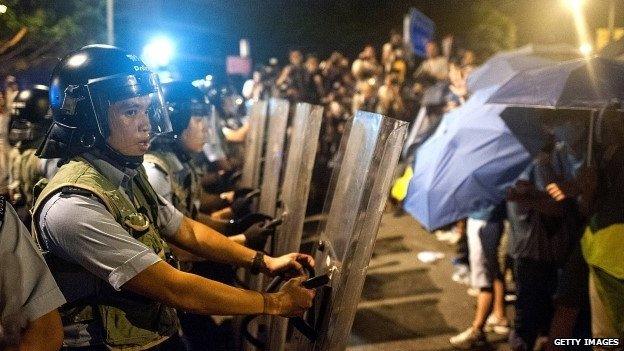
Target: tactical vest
24, 173
129, 321
184, 184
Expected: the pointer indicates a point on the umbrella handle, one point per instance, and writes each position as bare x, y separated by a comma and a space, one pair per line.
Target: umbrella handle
590, 138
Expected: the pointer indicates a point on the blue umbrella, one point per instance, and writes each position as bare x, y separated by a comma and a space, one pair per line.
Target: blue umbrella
503, 66
577, 84
466, 165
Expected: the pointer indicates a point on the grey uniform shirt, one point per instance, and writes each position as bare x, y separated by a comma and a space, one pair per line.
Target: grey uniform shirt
159, 180
27, 289
80, 230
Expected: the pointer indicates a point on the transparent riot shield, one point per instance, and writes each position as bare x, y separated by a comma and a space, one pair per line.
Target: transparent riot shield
213, 149
253, 145
271, 171
276, 134
358, 192
303, 142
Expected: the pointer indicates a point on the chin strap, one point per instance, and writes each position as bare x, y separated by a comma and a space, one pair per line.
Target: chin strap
117, 159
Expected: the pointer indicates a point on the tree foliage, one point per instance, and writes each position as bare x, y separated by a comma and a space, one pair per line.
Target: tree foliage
490, 30
35, 31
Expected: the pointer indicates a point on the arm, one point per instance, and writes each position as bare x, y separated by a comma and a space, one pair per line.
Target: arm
125, 263
38, 296
193, 293
44, 333
203, 241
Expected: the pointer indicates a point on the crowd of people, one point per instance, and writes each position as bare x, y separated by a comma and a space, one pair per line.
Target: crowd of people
538, 248
88, 168
395, 83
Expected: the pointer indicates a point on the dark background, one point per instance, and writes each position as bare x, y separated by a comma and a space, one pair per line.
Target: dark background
206, 31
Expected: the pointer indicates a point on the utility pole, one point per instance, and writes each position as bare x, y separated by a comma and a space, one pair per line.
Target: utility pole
611, 19
110, 22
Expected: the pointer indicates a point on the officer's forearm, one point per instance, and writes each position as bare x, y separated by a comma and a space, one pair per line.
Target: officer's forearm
44, 333
189, 292
205, 242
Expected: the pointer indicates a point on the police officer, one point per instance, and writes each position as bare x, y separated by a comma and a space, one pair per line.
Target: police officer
105, 230
29, 122
174, 163
29, 319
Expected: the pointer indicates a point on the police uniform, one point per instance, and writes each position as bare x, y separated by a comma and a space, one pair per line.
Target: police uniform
98, 219
29, 122
175, 180
25, 170
117, 232
27, 289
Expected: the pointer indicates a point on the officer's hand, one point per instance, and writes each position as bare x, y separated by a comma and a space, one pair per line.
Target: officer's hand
256, 235
290, 265
291, 300
241, 204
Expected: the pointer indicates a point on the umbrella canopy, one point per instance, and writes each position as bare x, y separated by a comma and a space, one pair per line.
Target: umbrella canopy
466, 165
503, 66
577, 84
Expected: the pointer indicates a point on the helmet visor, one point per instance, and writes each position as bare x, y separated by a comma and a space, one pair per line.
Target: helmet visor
213, 148
21, 130
124, 98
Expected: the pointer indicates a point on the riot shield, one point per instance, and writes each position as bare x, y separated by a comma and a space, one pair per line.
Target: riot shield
303, 142
358, 192
278, 119
213, 149
253, 145
271, 172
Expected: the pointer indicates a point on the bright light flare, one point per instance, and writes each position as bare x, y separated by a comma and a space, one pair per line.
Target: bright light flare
574, 4
3, 8
158, 52
585, 49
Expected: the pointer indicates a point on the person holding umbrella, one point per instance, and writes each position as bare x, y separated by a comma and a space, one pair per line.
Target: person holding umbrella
600, 187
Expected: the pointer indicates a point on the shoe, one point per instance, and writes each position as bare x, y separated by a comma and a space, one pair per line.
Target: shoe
510, 297
496, 325
451, 237
474, 292
469, 339
461, 274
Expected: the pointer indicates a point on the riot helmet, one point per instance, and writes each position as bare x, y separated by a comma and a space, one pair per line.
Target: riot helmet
30, 117
91, 90
192, 117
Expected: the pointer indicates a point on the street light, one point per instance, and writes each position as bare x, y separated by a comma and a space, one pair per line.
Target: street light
3, 8
574, 4
158, 52
585, 49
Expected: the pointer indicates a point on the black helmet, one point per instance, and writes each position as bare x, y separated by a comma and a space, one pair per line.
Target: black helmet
30, 117
84, 85
183, 101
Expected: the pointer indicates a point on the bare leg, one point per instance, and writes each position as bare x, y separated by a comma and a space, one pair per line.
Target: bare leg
499, 300
484, 306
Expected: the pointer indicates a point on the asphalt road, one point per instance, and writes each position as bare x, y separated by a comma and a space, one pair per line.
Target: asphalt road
407, 304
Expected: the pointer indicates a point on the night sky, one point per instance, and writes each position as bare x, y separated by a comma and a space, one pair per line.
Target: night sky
206, 31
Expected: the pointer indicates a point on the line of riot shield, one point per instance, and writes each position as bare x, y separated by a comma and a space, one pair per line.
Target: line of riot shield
273, 156
254, 143
359, 188
303, 142
277, 121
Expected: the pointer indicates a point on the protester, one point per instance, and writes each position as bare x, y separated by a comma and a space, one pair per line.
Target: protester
484, 232
599, 188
